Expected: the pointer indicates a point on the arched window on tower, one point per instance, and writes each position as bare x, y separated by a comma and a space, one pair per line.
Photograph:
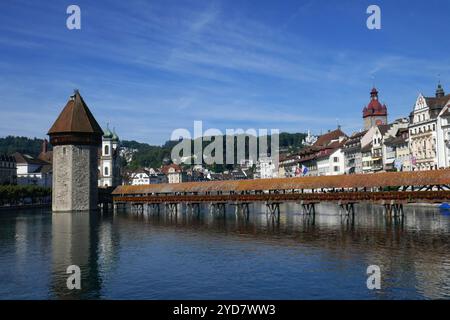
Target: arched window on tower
106, 171
106, 150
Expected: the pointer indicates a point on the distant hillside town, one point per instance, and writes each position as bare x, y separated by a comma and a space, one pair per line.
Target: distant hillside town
420, 141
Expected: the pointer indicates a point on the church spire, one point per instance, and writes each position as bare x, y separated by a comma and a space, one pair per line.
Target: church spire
440, 91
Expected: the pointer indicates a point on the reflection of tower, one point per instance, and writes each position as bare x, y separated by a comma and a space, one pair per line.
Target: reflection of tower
375, 113
75, 242
75, 137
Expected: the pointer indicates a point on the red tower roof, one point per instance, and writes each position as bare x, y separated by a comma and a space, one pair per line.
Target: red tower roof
75, 124
374, 108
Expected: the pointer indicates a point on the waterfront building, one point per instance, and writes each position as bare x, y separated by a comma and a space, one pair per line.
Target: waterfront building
331, 160
389, 148
443, 137
288, 165
352, 153
76, 137
266, 168
366, 157
378, 156
140, 177
8, 170
326, 145
423, 127
109, 160
374, 113
397, 151
174, 173
32, 171
147, 176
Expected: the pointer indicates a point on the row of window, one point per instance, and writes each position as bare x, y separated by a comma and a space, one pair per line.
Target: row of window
5, 164
423, 129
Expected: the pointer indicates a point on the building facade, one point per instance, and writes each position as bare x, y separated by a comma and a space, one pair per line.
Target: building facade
397, 154
266, 168
352, 153
33, 171
147, 176
331, 162
443, 137
319, 159
174, 173
8, 170
423, 130
109, 163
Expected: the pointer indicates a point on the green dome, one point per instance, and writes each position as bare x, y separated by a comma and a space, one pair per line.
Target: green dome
115, 137
107, 133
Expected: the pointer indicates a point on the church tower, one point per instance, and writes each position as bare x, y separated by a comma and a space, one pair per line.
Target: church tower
374, 113
76, 137
109, 166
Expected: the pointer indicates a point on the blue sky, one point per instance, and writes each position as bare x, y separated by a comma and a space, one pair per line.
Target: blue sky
149, 67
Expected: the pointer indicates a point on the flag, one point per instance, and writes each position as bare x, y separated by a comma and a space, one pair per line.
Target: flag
304, 170
298, 171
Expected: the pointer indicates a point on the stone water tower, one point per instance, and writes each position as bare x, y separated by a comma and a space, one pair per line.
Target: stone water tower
76, 137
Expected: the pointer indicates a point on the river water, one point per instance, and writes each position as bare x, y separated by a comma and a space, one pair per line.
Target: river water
126, 255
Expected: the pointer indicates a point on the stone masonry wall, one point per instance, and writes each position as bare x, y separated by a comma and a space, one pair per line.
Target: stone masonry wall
74, 178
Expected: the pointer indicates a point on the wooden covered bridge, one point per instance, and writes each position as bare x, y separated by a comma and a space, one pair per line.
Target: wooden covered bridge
391, 189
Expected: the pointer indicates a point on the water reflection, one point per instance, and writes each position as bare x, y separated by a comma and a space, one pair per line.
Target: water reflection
84, 239
147, 255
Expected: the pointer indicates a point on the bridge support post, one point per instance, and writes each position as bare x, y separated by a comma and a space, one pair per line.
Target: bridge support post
155, 207
242, 208
349, 208
309, 208
394, 208
273, 209
193, 206
218, 208
172, 208
138, 207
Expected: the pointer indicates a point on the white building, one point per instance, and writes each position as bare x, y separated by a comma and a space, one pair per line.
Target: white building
109, 161
266, 168
174, 173
331, 161
443, 137
33, 171
423, 130
147, 176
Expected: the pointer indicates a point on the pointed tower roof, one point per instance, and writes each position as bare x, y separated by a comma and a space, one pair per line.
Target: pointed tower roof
374, 108
76, 118
440, 91
75, 124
